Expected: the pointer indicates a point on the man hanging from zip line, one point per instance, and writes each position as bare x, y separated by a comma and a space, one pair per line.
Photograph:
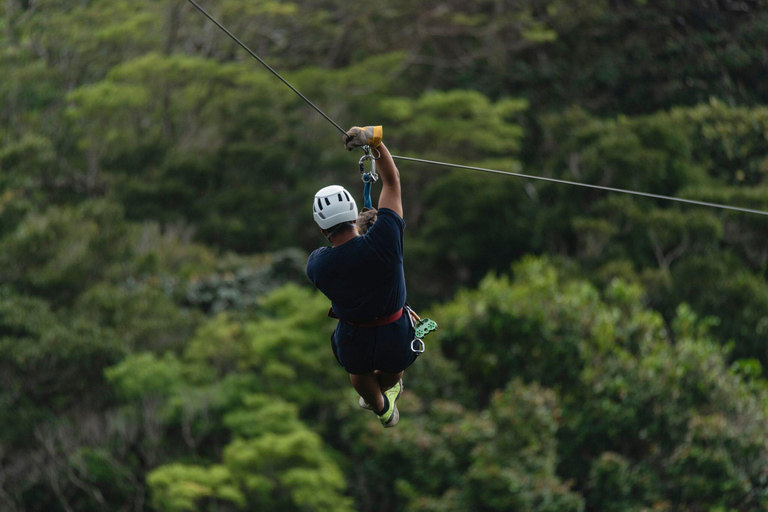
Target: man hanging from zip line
363, 277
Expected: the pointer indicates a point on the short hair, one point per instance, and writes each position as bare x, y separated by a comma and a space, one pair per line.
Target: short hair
340, 228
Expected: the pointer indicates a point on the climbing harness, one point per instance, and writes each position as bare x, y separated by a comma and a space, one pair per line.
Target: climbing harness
421, 326
369, 178
480, 169
385, 320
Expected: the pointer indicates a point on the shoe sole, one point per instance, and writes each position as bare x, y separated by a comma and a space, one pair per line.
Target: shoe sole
393, 420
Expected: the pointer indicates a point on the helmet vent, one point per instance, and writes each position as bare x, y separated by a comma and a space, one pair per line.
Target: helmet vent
327, 201
345, 193
321, 215
340, 198
319, 204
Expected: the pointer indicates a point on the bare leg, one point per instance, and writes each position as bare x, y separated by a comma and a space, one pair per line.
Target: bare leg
368, 387
388, 380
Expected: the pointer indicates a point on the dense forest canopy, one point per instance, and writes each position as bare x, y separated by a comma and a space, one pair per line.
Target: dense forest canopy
162, 350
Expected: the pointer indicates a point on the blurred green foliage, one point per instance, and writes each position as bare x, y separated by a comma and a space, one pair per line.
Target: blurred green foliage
161, 350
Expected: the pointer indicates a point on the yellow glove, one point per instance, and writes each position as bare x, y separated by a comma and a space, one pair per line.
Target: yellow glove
358, 136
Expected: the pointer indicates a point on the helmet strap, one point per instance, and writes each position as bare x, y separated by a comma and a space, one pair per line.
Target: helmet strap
334, 230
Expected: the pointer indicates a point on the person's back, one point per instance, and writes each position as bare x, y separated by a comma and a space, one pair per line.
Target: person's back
363, 277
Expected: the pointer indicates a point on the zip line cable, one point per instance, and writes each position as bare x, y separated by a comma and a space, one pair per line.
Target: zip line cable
588, 185
468, 167
230, 34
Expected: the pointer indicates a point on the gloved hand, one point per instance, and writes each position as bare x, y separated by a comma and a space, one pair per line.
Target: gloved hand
366, 219
358, 136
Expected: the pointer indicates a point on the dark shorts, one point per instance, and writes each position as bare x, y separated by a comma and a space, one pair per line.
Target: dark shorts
365, 349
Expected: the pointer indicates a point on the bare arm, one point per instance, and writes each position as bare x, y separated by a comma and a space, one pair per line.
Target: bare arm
390, 177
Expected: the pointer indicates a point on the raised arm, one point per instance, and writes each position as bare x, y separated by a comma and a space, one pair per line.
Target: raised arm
390, 197
390, 178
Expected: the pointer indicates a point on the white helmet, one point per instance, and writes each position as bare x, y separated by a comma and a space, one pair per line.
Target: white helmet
333, 205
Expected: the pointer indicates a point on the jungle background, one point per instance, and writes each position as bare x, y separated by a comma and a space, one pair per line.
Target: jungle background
162, 350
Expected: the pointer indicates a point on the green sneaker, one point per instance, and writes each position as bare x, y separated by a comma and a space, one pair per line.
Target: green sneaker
391, 416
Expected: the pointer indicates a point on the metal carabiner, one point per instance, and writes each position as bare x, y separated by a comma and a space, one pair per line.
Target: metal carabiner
372, 176
420, 347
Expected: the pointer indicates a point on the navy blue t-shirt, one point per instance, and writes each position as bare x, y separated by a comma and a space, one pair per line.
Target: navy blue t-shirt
363, 277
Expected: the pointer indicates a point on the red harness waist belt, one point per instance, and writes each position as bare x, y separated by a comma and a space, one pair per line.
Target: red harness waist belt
394, 317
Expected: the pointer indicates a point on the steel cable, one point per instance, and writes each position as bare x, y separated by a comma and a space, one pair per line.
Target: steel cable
588, 185
480, 169
230, 34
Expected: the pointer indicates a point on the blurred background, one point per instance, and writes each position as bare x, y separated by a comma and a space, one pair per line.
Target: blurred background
162, 350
